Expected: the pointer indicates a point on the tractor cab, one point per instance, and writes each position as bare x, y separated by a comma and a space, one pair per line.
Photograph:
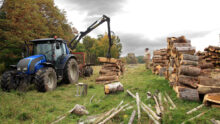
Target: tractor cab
53, 49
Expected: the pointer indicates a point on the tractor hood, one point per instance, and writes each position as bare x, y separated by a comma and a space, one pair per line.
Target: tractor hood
31, 64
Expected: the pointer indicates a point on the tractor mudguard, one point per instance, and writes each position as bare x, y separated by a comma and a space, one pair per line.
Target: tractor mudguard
64, 60
47, 64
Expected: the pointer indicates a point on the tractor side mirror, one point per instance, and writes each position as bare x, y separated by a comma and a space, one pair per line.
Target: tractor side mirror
57, 46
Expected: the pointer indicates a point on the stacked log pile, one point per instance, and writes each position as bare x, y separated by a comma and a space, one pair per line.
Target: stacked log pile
212, 55
182, 69
160, 61
110, 71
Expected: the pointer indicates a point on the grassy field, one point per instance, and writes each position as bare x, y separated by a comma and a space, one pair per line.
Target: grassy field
39, 108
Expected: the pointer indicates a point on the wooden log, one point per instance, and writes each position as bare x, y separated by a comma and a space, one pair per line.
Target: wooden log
106, 78
207, 81
148, 113
189, 57
215, 121
90, 101
212, 98
189, 71
181, 45
107, 60
206, 65
160, 102
187, 93
138, 107
197, 116
195, 109
188, 80
113, 88
170, 100
132, 117
202, 89
113, 114
157, 106
184, 50
188, 62
104, 115
106, 82
148, 108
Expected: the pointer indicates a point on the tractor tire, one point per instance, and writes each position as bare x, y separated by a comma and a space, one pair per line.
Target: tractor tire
46, 79
8, 81
71, 72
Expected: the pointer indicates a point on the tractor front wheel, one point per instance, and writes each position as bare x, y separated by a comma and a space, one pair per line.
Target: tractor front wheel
8, 81
46, 79
71, 72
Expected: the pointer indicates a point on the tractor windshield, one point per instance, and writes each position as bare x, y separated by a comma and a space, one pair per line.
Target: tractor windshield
44, 49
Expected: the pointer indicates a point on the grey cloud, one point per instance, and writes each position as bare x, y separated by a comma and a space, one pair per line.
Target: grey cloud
95, 7
191, 35
136, 43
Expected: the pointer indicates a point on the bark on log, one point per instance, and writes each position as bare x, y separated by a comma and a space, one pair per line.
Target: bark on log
132, 117
207, 81
189, 57
113, 88
138, 107
181, 45
202, 89
195, 109
187, 93
188, 62
189, 71
106, 78
188, 80
206, 65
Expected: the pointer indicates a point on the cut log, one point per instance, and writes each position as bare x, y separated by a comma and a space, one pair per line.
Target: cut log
207, 81
187, 93
188, 62
132, 117
160, 102
202, 89
195, 109
113, 88
181, 45
106, 78
188, 80
138, 107
107, 60
189, 57
106, 82
184, 50
212, 98
206, 65
190, 71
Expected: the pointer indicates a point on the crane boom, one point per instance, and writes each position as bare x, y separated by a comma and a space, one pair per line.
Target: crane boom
78, 37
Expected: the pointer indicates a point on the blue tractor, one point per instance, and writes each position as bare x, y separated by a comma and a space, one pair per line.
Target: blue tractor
51, 61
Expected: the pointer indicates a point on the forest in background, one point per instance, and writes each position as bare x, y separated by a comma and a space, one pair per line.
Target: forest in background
25, 20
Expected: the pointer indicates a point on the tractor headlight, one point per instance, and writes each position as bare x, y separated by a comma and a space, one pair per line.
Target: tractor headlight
24, 69
19, 69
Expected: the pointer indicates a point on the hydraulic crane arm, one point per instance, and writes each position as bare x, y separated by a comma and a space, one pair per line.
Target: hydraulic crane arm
78, 37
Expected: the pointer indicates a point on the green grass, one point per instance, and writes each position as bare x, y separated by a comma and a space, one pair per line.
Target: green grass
38, 108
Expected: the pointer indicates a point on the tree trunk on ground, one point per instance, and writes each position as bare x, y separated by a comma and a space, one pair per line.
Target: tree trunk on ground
206, 65
113, 88
106, 78
189, 71
132, 117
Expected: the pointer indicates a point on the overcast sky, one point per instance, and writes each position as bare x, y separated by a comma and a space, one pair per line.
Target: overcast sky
144, 24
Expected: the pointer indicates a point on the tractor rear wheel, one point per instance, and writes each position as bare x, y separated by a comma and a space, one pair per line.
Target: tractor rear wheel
71, 72
8, 81
46, 79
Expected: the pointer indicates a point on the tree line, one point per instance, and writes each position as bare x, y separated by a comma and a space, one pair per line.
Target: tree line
25, 20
